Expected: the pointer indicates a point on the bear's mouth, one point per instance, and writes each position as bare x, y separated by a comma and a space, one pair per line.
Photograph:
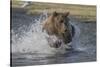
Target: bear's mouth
56, 42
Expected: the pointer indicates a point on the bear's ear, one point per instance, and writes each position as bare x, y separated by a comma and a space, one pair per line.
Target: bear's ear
55, 13
67, 14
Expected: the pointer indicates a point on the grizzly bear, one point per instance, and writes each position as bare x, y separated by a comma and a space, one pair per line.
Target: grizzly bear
57, 24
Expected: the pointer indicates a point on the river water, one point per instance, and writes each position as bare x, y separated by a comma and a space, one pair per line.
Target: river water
30, 47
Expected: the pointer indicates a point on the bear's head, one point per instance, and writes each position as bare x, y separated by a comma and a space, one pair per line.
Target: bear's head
58, 24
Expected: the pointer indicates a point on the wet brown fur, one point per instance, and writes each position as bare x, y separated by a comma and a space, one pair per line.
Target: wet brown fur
57, 24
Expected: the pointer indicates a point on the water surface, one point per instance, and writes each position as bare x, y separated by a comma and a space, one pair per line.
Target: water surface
29, 46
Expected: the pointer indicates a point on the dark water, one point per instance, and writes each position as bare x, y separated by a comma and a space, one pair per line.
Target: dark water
86, 52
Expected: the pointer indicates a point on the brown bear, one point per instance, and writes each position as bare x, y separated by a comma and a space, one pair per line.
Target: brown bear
57, 24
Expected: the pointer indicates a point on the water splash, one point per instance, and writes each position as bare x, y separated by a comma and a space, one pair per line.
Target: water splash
33, 40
